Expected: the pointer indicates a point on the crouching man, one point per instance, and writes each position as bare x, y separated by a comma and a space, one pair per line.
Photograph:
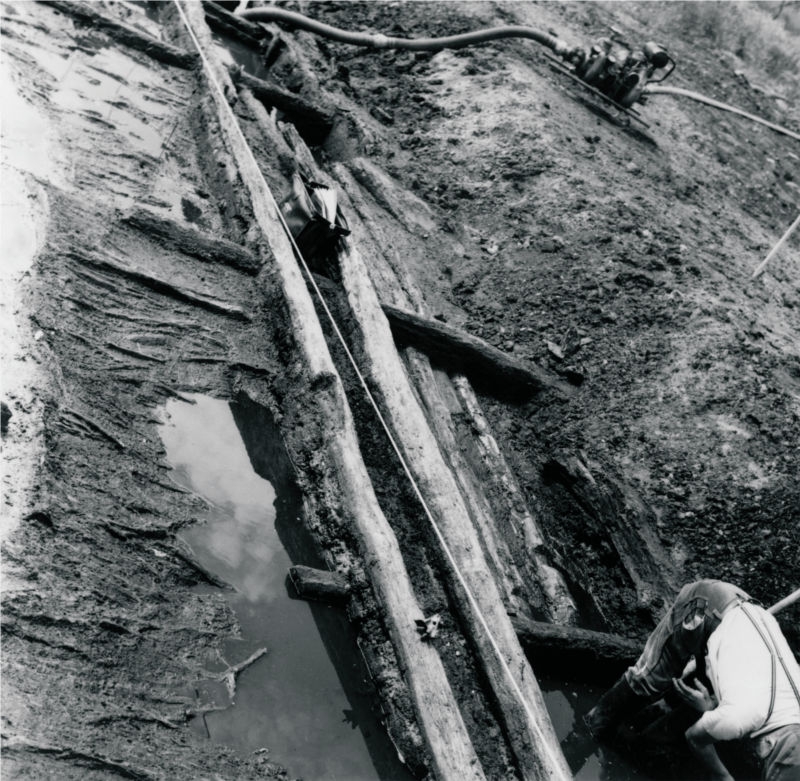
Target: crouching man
756, 695
739, 648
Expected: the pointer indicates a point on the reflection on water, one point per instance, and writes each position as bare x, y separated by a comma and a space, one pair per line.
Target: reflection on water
317, 718
588, 760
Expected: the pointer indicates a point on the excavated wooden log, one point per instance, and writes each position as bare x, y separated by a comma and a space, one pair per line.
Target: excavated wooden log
126, 35
319, 584
559, 604
312, 122
452, 754
438, 400
546, 587
575, 652
522, 709
192, 242
467, 354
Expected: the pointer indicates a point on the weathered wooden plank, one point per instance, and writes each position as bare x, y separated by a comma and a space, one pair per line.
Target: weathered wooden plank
462, 352
498, 478
312, 122
223, 21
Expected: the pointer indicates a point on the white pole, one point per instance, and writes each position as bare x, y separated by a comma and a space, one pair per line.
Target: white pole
785, 602
775, 249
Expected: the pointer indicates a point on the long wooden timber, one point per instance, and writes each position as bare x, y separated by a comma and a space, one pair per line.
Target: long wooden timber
452, 754
495, 475
522, 709
468, 354
526, 720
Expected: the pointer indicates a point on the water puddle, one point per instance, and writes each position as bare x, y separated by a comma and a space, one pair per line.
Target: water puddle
587, 760
308, 700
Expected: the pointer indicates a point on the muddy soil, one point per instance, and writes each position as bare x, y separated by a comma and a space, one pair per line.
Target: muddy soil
621, 263
633, 258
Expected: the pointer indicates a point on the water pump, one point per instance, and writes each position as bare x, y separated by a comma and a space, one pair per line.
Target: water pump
620, 72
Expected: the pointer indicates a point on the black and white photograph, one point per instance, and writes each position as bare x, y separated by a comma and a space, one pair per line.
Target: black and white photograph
400, 390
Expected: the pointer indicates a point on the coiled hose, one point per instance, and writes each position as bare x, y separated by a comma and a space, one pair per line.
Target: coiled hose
380, 41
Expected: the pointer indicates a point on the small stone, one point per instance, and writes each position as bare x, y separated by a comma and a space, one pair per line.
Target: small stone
555, 351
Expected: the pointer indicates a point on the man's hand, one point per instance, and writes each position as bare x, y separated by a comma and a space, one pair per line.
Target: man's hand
697, 696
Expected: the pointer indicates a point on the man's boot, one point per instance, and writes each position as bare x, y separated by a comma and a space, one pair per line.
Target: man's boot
618, 703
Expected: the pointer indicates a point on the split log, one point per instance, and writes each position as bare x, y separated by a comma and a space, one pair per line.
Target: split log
319, 584
192, 242
438, 715
312, 122
126, 35
559, 604
467, 354
572, 652
439, 400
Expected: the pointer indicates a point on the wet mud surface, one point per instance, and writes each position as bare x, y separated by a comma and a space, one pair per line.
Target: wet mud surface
494, 200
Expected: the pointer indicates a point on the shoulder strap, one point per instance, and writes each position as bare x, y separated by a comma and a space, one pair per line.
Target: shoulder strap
774, 653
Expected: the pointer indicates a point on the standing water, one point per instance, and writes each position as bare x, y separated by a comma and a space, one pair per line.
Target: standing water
308, 700
588, 760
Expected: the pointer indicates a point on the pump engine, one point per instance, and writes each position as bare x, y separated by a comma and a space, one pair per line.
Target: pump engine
620, 72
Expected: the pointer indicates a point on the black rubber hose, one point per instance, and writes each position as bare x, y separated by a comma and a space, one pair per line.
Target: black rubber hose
380, 41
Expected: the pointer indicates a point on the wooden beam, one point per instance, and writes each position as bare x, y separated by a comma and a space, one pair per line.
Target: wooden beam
319, 585
202, 246
312, 122
459, 351
574, 652
223, 21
